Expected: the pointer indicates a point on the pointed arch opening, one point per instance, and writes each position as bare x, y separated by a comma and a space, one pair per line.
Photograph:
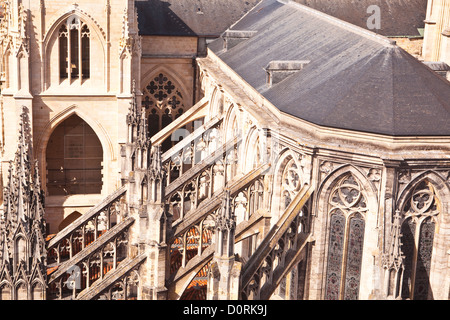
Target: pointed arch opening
197, 288
20, 250
164, 101
21, 291
217, 103
5, 69
347, 207
420, 221
289, 179
74, 49
74, 159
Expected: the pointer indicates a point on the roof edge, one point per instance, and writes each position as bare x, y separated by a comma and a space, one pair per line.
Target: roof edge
245, 15
344, 24
280, 117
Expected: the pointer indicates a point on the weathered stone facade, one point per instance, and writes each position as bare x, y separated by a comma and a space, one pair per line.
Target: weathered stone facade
253, 203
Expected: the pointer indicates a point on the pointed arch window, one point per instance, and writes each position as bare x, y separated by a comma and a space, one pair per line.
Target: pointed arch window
163, 102
418, 229
5, 76
74, 50
347, 207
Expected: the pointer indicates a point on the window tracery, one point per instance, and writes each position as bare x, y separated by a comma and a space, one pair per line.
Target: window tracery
347, 207
74, 50
163, 102
290, 183
418, 230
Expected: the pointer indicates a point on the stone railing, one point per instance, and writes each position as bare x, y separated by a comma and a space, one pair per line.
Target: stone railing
201, 182
91, 264
193, 234
193, 149
119, 284
279, 251
86, 229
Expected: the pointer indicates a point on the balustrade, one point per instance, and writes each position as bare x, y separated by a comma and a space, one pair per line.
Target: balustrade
124, 288
277, 254
85, 230
191, 243
193, 149
91, 265
185, 194
187, 242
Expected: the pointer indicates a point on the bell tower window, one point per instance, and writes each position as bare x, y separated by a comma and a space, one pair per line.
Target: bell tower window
74, 50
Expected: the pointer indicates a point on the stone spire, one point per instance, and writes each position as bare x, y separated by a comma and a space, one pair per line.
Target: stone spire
225, 228
142, 144
156, 175
143, 139
133, 116
22, 225
225, 271
138, 140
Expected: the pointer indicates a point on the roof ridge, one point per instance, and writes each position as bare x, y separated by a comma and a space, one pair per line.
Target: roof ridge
245, 15
343, 24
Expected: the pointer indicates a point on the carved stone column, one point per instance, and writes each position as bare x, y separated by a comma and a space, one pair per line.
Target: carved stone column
393, 261
155, 229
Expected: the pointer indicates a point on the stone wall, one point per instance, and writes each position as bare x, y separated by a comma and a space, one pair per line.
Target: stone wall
118, 55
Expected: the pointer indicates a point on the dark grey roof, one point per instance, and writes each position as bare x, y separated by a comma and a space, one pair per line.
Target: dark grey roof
355, 79
437, 65
208, 18
398, 17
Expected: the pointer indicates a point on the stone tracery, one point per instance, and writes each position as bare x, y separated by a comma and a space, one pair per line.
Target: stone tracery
74, 49
347, 208
290, 182
420, 213
163, 102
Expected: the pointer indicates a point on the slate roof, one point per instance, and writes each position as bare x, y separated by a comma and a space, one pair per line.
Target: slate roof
206, 18
398, 17
355, 80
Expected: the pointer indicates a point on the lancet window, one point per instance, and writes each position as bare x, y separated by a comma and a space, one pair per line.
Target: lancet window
74, 50
4, 76
418, 229
347, 208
